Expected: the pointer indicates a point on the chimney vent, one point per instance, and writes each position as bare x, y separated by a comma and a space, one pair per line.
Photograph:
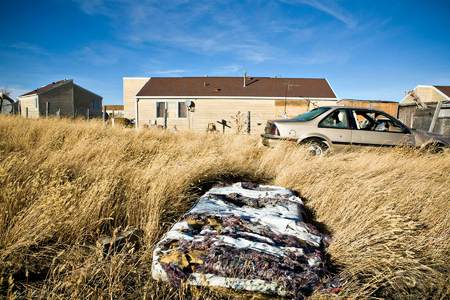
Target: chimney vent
245, 77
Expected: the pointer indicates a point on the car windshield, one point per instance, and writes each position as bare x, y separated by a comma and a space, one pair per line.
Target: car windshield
308, 116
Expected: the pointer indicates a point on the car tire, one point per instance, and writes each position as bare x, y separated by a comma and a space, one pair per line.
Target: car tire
434, 148
316, 147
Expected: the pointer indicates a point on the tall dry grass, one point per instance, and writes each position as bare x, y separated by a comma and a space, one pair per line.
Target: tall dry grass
64, 184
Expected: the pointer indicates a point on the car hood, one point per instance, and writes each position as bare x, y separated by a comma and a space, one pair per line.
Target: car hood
423, 137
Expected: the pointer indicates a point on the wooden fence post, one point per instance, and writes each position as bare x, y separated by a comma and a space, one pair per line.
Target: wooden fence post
104, 114
249, 126
165, 116
435, 116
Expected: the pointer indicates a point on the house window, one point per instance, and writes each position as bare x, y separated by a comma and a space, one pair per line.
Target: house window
160, 109
182, 110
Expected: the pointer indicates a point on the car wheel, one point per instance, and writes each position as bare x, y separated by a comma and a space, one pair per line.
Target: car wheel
434, 148
316, 147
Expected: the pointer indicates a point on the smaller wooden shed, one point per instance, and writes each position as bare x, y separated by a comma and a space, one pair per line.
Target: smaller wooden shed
60, 98
390, 107
417, 108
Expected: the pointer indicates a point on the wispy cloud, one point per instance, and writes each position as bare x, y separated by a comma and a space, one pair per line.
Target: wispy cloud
171, 24
166, 72
28, 47
329, 7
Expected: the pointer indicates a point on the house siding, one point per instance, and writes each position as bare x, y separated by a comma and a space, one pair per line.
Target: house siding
84, 99
58, 98
209, 111
388, 107
131, 86
28, 103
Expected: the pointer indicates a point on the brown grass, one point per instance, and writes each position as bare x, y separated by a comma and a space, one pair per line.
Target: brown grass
64, 184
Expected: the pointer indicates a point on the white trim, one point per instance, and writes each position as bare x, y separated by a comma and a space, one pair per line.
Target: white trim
440, 92
426, 86
331, 88
166, 105
236, 97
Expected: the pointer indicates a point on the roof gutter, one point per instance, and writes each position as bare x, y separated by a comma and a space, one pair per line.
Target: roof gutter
236, 97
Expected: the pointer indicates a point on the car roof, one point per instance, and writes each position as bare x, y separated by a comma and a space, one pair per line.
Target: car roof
353, 107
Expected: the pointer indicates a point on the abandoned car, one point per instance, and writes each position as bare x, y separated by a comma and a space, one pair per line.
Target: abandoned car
325, 127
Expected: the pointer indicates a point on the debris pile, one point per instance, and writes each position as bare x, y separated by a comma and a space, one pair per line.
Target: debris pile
246, 237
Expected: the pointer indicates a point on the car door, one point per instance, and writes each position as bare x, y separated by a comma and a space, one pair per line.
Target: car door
375, 128
336, 126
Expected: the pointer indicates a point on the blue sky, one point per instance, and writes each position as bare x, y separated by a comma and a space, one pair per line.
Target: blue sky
366, 49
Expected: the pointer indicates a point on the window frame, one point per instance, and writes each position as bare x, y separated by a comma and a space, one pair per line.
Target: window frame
183, 104
164, 103
393, 120
349, 119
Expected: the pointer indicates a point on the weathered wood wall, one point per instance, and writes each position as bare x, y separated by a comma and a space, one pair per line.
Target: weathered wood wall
84, 99
388, 107
59, 98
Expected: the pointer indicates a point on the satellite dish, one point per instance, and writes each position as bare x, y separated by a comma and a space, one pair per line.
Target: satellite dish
190, 105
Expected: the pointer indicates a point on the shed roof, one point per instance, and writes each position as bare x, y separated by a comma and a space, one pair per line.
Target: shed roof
234, 87
47, 87
6, 97
444, 89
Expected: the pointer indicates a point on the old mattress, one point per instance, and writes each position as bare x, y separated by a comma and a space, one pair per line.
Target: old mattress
246, 237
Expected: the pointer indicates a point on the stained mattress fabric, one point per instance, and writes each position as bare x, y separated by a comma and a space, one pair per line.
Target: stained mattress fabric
245, 237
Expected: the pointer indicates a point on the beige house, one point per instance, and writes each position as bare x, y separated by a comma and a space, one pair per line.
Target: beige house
199, 103
60, 98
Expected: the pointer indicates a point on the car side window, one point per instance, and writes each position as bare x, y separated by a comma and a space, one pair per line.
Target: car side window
337, 119
375, 121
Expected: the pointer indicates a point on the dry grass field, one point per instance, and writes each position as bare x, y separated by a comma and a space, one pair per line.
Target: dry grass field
64, 184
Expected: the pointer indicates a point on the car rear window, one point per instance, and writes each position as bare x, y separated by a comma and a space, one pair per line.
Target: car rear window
308, 116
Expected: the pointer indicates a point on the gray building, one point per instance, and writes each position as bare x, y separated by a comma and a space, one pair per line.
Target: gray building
7, 105
61, 98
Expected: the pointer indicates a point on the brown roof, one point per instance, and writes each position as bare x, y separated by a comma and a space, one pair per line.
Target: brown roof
113, 107
47, 87
234, 87
444, 89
